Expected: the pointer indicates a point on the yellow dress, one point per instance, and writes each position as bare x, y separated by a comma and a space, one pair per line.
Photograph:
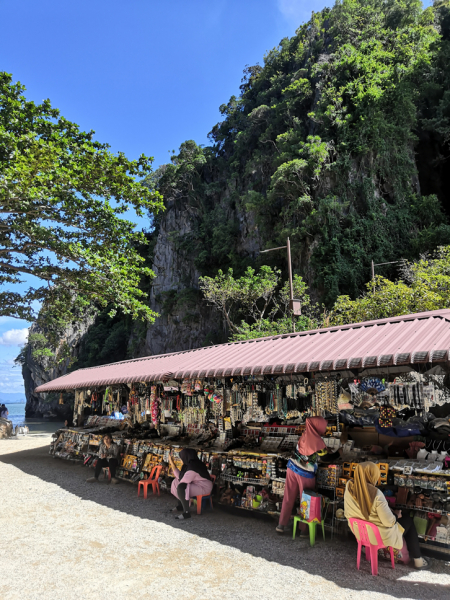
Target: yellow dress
381, 515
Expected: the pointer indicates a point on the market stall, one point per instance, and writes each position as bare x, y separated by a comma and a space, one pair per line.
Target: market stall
381, 385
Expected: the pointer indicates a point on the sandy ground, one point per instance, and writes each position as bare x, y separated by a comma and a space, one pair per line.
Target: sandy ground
62, 538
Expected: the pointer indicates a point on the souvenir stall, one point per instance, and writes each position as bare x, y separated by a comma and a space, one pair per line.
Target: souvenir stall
242, 406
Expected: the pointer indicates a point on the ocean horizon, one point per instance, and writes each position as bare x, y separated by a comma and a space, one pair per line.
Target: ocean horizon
37, 426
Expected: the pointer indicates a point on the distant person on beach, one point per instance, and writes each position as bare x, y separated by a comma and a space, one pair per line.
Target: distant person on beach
3, 412
108, 457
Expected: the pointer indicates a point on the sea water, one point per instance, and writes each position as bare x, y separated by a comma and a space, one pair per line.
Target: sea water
16, 413
36, 425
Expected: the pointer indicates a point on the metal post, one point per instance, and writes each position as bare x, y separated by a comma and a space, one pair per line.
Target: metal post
373, 277
291, 286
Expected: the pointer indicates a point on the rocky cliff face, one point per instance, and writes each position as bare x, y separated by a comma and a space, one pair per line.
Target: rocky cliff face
185, 321
36, 372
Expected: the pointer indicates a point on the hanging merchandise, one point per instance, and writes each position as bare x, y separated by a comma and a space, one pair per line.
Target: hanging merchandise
326, 397
372, 386
155, 410
94, 401
133, 398
387, 413
291, 391
61, 400
408, 394
187, 387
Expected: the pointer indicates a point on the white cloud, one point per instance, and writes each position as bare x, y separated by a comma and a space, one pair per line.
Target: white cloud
11, 379
14, 337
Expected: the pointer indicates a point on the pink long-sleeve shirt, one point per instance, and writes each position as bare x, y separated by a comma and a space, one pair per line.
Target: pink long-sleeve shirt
195, 485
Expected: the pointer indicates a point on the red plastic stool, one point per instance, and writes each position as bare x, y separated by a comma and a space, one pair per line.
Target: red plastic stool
152, 480
199, 499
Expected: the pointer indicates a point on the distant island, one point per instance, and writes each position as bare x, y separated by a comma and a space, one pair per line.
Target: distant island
12, 398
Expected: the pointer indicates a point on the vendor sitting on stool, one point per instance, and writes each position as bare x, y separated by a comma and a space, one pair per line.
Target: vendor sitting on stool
364, 501
302, 467
193, 480
108, 453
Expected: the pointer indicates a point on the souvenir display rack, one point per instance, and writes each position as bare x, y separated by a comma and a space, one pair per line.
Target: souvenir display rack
230, 421
70, 446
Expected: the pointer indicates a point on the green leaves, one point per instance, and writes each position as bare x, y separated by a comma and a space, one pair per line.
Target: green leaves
329, 143
61, 197
256, 304
425, 286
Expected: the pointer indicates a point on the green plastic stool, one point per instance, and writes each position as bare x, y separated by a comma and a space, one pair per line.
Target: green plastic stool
312, 528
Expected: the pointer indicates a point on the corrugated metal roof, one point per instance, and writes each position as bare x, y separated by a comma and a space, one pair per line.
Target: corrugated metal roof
418, 338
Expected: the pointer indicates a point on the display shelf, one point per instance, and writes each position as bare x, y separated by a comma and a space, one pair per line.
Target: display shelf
423, 509
248, 481
431, 540
253, 510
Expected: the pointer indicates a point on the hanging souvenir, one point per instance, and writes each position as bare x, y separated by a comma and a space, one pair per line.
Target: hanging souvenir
372, 386
387, 413
155, 410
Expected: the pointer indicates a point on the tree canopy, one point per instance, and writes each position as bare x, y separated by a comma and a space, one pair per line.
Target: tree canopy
339, 140
62, 195
257, 303
423, 285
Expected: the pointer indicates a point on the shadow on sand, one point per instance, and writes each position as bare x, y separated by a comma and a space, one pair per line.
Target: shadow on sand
334, 560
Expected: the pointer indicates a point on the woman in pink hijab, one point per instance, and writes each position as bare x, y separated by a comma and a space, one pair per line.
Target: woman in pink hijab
302, 467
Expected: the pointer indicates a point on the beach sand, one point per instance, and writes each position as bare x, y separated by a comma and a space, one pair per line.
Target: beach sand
62, 538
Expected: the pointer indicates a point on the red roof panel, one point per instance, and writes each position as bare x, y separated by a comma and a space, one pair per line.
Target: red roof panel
373, 342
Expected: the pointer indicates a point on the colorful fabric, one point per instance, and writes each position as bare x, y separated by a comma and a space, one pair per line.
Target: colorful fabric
311, 441
387, 413
299, 471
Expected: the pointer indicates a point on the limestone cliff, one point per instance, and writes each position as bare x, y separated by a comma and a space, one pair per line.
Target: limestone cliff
38, 371
185, 321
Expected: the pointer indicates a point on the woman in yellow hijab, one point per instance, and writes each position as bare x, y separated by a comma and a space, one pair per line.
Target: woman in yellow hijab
363, 500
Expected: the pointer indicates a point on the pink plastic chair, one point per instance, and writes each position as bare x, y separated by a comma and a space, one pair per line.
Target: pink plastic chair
364, 540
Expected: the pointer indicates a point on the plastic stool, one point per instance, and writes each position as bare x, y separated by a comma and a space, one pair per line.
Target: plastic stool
152, 480
106, 473
312, 528
364, 540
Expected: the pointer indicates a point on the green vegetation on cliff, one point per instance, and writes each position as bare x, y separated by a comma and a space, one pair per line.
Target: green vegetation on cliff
340, 141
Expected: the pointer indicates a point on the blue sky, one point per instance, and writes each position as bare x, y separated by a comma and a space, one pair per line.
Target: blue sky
144, 74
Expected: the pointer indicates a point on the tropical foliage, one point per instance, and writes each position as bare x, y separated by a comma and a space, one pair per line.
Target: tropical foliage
257, 303
340, 140
62, 195
424, 286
